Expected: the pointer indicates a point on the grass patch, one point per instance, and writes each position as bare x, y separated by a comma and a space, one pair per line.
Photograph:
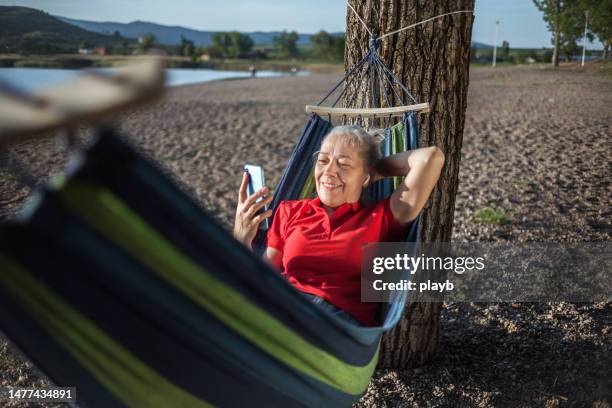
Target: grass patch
488, 215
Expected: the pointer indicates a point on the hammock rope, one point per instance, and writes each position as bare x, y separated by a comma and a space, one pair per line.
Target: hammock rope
376, 80
423, 22
404, 28
359, 18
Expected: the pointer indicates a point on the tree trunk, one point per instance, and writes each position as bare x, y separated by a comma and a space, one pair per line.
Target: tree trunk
555, 57
432, 60
606, 51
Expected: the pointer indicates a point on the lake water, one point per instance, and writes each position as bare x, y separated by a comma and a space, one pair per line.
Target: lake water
29, 79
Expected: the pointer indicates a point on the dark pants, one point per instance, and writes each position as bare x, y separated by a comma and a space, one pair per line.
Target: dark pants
331, 309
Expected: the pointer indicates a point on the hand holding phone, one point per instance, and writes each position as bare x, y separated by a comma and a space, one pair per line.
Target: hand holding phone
256, 183
250, 211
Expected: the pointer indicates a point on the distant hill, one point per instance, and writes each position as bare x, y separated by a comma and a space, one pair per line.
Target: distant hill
171, 35
476, 44
24, 29
168, 35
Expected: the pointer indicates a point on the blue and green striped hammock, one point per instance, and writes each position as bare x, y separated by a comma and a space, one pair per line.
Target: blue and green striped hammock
119, 284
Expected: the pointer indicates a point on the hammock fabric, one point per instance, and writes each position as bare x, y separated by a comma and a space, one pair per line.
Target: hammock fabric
117, 283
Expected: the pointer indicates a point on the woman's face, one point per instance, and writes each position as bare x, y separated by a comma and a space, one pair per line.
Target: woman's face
340, 172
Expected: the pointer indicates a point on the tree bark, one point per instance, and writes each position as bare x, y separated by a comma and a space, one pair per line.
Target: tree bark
432, 60
555, 57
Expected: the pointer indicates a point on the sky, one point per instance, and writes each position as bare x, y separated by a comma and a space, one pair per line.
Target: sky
520, 23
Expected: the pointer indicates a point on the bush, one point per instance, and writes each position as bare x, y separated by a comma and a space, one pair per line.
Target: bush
488, 215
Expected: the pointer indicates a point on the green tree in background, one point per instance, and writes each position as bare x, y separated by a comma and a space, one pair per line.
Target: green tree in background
328, 47
323, 44
187, 47
286, 44
572, 28
569, 45
233, 44
566, 20
600, 21
555, 15
147, 42
505, 50
338, 53
223, 42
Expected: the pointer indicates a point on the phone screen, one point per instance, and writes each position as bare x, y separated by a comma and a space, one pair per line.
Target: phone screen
256, 183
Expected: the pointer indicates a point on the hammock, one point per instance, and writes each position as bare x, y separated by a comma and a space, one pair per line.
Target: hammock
115, 282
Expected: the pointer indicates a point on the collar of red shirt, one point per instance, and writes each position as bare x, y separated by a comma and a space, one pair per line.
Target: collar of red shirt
316, 202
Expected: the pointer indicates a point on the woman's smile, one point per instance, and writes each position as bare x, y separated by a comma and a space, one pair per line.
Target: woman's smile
329, 185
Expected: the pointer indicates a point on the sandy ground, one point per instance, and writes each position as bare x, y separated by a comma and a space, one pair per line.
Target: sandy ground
537, 145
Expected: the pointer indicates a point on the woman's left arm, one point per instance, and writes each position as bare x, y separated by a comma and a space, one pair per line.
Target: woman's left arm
421, 168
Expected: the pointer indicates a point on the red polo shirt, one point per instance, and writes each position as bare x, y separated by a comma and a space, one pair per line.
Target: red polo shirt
321, 255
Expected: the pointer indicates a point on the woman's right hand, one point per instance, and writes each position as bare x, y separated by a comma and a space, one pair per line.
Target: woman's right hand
247, 220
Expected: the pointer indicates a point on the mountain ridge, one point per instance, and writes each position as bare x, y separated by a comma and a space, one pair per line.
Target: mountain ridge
171, 35
25, 28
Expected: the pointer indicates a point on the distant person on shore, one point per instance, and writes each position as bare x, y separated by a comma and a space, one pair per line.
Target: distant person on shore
316, 243
294, 70
253, 71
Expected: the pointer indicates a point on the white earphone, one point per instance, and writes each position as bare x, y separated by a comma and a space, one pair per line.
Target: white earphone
367, 180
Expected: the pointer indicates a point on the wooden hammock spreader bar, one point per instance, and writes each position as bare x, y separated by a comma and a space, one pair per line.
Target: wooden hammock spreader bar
368, 112
92, 97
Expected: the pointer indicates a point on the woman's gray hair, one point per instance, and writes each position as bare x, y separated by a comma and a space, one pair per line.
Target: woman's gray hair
356, 137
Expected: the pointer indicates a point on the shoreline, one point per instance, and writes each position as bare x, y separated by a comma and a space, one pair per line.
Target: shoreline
31, 82
78, 61
229, 79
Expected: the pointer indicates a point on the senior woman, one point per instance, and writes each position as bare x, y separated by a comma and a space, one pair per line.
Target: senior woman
316, 243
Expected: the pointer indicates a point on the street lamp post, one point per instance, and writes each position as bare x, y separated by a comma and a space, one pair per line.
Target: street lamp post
586, 24
495, 44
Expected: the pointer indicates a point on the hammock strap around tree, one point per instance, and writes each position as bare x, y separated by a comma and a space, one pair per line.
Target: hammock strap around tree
363, 76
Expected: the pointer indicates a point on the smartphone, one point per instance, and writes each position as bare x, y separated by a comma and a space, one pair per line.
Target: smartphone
256, 183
